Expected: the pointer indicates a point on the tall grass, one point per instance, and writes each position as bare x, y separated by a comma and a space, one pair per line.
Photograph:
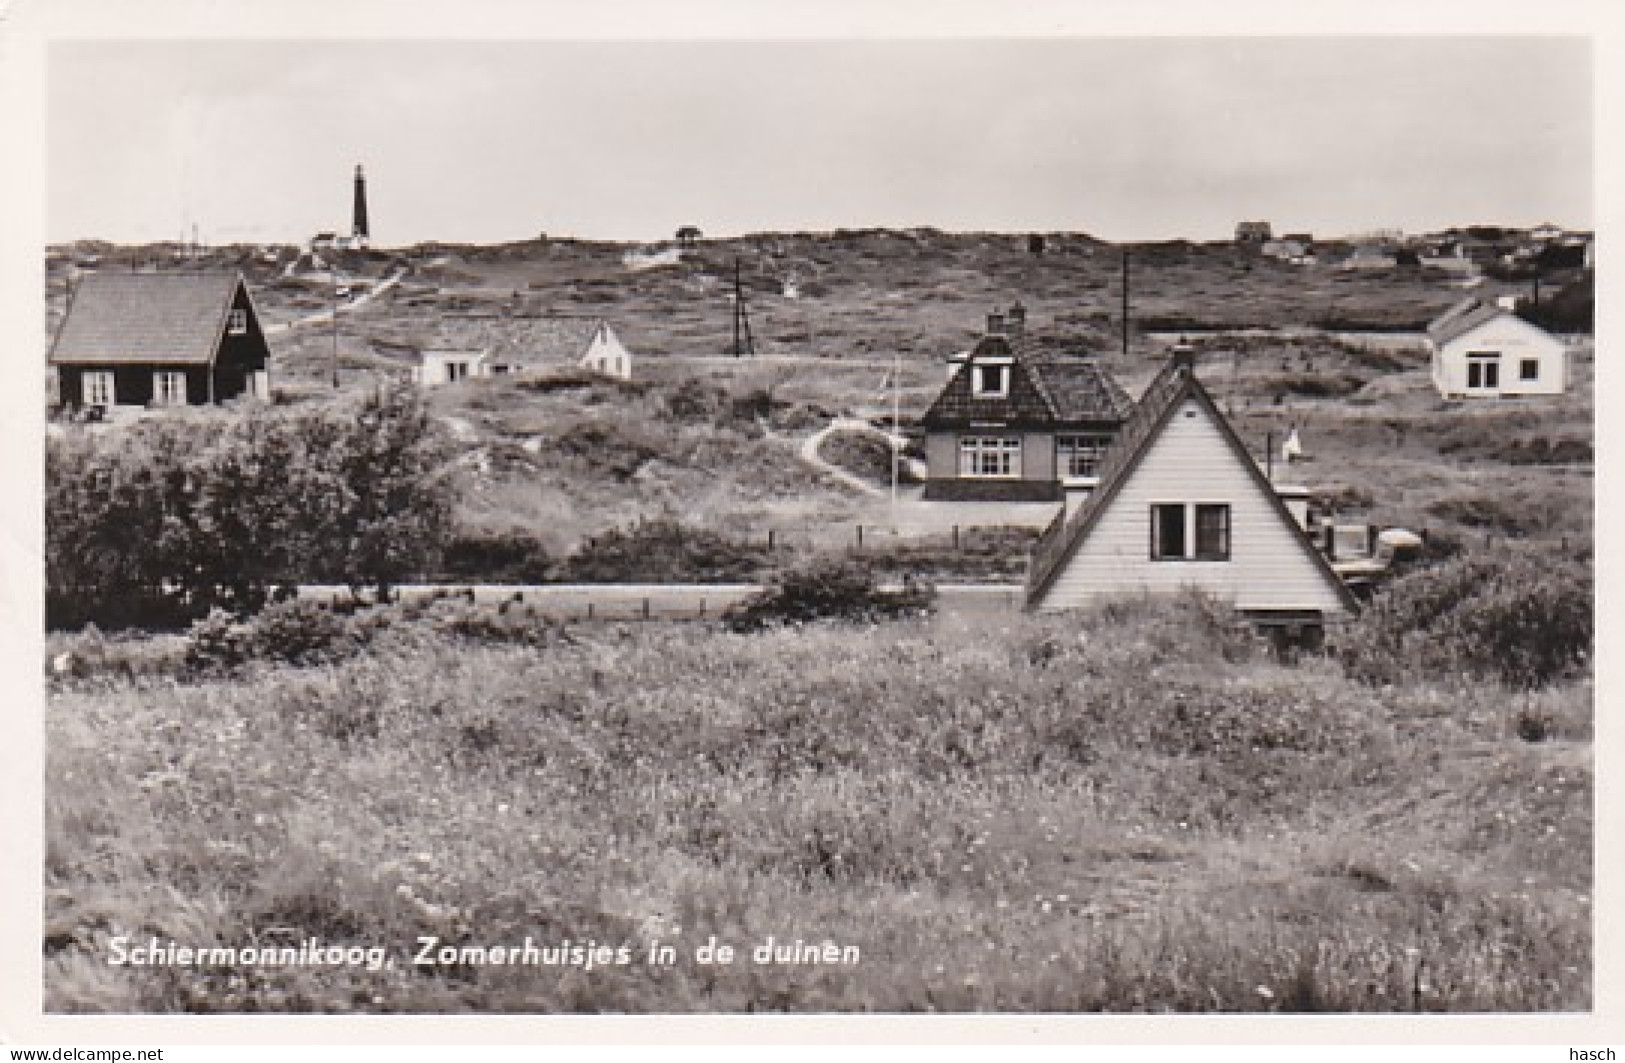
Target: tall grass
1129, 810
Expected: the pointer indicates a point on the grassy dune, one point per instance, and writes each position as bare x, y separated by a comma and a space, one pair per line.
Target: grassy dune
1132, 810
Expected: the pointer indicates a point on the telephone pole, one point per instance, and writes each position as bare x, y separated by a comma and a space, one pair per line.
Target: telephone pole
743, 343
1125, 304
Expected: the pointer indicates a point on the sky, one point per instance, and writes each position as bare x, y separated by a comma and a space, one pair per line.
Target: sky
1122, 138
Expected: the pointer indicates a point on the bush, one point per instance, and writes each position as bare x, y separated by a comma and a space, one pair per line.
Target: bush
299, 633
663, 551
512, 556
829, 590
1525, 621
157, 525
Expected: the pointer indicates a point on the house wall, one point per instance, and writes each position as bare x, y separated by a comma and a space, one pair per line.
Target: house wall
1037, 482
606, 355
942, 453
1516, 340
132, 384
434, 370
239, 357
1270, 567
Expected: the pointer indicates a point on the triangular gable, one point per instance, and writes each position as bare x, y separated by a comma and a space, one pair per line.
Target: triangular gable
1500, 317
1167, 394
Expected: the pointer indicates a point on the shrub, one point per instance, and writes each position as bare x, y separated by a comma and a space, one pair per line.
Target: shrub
829, 590
1525, 620
298, 633
301, 633
663, 551
217, 643
159, 524
511, 556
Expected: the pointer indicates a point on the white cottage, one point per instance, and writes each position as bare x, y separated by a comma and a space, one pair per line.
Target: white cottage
1182, 504
519, 344
1484, 350
447, 366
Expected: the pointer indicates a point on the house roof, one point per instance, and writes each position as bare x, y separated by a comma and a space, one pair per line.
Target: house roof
1167, 393
1054, 391
1461, 319
523, 339
136, 318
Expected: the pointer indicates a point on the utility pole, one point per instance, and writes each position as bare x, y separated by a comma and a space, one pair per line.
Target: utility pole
335, 326
1125, 304
743, 343
896, 417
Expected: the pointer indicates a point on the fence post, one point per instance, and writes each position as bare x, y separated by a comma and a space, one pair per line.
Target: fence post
702, 608
645, 608
589, 610
770, 539
860, 537
956, 538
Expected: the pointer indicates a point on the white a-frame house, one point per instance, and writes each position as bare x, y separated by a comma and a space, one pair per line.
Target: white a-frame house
1181, 504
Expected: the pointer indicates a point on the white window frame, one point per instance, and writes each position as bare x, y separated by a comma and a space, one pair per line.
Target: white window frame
990, 457
456, 371
98, 387
1525, 365
1186, 517
1488, 364
1071, 449
977, 388
237, 322
169, 387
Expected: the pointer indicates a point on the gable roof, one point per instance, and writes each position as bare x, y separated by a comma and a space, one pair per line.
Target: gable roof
1461, 319
136, 318
1170, 389
535, 340
1040, 393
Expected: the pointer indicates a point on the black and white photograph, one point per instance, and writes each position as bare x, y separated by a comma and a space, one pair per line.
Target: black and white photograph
726, 521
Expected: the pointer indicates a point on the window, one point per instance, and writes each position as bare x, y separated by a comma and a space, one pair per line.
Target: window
168, 388
1212, 533
1167, 532
237, 322
1079, 456
989, 457
991, 380
456, 371
1176, 527
96, 388
1483, 370
1529, 369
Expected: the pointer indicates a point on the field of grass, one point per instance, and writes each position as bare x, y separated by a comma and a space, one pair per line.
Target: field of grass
1133, 810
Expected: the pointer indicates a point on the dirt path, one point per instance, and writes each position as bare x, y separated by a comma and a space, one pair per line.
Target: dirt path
808, 452
325, 316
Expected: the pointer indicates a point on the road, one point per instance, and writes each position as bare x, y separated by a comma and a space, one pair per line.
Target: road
322, 317
636, 601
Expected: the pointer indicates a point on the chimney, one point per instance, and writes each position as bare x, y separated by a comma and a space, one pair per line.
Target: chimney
1184, 355
1018, 319
995, 324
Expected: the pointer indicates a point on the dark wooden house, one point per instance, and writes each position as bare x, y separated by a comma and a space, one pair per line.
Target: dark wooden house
160, 339
1012, 425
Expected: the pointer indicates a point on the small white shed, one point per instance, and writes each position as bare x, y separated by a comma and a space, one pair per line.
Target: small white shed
1481, 350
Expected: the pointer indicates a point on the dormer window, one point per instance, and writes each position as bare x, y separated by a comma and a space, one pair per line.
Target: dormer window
237, 322
990, 380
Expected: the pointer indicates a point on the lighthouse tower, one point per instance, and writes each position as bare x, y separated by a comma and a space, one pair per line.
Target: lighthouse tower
359, 236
